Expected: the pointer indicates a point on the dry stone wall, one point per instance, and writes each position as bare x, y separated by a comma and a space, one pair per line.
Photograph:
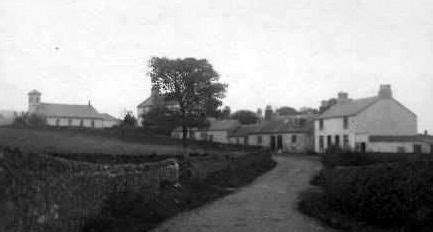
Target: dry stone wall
44, 193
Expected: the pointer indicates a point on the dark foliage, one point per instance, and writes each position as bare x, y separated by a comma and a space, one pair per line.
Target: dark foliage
29, 120
390, 196
245, 117
129, 120
286, 110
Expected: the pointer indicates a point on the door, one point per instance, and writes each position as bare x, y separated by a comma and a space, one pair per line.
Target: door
417, 149
280, 142
272, 143
363, 147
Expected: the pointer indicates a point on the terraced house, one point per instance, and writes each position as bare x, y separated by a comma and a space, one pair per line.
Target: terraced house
378, 123
65, 115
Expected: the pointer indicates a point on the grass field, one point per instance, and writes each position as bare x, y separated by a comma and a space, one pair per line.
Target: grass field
66, 141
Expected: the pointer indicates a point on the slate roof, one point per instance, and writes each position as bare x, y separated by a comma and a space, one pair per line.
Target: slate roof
349, 108
222, 125
245, 130
284, 126
68, 111
155, 100
108, 117
401, 138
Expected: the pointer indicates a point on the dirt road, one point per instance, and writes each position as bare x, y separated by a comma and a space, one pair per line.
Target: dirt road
268, 204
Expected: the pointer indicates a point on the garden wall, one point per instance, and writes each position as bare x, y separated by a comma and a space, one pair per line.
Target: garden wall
45, 193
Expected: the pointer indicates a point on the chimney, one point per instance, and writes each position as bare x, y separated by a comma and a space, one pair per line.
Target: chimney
154, 92
342, 97
425, 132
385, 91
259, 113
324, 103
268, 113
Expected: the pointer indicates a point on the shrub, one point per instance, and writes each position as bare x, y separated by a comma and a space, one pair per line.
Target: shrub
29, 120
388, 195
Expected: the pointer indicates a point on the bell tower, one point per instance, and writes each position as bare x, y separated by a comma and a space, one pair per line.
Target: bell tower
34, 100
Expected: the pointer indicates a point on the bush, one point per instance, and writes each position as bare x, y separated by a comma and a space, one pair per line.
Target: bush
393, 195
29, 120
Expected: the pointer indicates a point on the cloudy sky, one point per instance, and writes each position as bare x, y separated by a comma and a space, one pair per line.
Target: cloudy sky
277, 52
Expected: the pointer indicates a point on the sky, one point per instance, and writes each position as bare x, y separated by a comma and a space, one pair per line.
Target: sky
275, 52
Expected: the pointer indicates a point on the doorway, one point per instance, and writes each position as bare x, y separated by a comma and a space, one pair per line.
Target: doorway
272, 143
279, 142
363, 147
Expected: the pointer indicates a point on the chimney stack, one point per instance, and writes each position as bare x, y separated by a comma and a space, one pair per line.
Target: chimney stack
385, 92
268, 113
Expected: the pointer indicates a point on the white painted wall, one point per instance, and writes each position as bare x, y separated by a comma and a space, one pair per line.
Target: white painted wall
393, 147
51, 121
386, 117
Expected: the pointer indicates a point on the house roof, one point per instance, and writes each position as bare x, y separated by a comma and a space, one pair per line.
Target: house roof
156, 100
222, 125
69, 111
108, 117
245, 130
401, 138
284, 126
349, 108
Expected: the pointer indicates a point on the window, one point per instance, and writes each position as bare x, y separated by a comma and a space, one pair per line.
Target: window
69, 122
345, 122
329, 141
321, 124
81, 123
294, 138
237, 140
346, 141
93, 123
259, 139
337, 140
57, 122
401, 150
321, 143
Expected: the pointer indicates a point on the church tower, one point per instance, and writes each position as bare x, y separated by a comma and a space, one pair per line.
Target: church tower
34, 100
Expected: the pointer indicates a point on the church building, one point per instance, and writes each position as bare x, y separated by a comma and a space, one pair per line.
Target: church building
66, 115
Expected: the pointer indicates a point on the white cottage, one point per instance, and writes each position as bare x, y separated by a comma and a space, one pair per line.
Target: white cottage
65, 115
350, 123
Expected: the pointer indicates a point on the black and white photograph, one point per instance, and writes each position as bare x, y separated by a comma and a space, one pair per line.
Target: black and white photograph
219, 116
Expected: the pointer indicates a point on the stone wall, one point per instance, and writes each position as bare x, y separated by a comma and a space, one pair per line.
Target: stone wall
44, 193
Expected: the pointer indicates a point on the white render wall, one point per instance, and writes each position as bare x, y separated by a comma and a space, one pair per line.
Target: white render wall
386, 117
51, 121
303, 141
393, 147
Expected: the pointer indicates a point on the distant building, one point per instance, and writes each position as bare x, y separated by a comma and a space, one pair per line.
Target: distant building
66, 115
218, 131
353, 124
155, 100
290, 134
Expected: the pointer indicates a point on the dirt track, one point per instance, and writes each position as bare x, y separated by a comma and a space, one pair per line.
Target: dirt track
268, 204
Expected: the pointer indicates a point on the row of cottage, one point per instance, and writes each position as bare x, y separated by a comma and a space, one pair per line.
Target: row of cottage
374, 124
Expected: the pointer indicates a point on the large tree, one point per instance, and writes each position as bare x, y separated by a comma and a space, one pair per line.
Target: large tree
193, 83
287, 110
245, 117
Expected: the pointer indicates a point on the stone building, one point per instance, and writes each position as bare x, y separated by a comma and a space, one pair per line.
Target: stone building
155, 100
350, 124
65, 115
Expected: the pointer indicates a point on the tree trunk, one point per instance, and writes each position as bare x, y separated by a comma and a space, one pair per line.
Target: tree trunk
185, 141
